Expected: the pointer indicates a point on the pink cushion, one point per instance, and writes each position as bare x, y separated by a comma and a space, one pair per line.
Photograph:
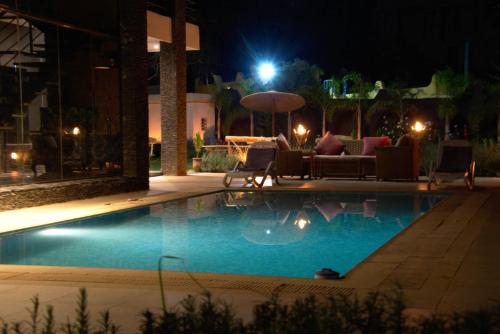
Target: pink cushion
283, 144
370, 143
329, 145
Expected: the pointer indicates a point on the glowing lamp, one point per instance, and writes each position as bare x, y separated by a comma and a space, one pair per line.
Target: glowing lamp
301, 130
266, 72
301, 134
14, 156
75, 131
418, 127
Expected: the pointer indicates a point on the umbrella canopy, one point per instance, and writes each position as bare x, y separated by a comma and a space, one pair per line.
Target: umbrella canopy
274, 102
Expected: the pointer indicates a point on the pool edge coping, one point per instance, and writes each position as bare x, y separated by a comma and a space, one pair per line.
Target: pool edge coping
112, 273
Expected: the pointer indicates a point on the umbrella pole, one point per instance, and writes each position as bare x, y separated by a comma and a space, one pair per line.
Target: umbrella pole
274, 123
251, 123
323, 130
359, 122
289, 127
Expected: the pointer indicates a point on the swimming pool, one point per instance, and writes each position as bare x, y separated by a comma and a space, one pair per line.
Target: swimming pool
291, 234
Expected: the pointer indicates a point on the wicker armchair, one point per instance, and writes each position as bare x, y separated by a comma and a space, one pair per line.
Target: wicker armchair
398, 162
293, 163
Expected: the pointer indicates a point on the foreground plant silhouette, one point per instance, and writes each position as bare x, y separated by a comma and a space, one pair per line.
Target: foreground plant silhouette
376, 313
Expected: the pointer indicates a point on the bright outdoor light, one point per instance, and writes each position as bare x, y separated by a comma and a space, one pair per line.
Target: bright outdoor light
301, 134
266, 72
301, 130
14, 156
76, 131
418, 127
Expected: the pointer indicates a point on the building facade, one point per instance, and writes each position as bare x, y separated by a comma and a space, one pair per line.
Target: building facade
73, 99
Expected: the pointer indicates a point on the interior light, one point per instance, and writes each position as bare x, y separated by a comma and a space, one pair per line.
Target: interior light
75, 131
14, 156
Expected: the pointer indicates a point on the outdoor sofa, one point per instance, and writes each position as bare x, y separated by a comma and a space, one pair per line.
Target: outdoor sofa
346, 157
342, 156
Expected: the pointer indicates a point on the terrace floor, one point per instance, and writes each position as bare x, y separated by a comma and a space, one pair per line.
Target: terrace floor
448, 260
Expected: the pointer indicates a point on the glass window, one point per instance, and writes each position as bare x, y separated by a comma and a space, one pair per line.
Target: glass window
59, 103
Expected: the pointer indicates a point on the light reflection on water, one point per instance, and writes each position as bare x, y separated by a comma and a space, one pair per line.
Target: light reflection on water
289, 234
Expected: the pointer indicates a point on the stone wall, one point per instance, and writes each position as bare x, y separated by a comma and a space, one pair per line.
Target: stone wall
16, 197
134, 95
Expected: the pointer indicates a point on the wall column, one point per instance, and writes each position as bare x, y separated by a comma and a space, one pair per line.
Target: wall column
173, 88
168, 104
134, 94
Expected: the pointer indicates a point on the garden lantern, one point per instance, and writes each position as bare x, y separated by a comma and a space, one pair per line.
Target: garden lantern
301, 134
418, 127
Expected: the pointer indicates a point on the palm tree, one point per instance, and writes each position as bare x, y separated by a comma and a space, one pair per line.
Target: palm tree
360, 88
317, 96
222, 99
452, 85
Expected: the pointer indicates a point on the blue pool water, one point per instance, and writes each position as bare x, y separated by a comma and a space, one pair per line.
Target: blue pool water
289, 234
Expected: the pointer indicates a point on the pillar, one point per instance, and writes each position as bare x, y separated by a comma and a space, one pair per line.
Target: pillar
134, 93
173, 88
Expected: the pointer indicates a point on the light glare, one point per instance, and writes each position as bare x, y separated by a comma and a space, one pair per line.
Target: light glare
66, 232
266, 72
418, 127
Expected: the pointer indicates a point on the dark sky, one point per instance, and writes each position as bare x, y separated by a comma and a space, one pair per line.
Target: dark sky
383, 39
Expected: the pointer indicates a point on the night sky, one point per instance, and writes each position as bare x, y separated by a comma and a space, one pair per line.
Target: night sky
384, 39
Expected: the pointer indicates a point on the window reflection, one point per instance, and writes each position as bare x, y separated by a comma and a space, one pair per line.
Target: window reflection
59, 103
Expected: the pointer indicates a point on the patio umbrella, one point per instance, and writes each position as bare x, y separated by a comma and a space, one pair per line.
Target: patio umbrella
274, 102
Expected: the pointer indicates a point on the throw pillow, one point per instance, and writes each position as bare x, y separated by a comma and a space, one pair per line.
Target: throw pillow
329, 145
404, 140
370, 143
283, 144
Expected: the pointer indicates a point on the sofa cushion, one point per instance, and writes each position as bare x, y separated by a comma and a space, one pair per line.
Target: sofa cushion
329, 145
282, 143
404, 140
370, 143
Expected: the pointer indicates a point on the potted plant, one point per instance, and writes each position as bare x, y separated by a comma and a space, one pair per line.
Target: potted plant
198, 146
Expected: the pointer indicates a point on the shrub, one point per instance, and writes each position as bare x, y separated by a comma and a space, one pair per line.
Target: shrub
376, 313
218, 161
46, 324
487, 157
198, 144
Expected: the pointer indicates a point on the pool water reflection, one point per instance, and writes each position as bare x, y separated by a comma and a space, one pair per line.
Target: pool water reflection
289, 234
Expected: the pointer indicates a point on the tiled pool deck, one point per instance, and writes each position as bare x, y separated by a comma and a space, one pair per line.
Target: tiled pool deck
448, 260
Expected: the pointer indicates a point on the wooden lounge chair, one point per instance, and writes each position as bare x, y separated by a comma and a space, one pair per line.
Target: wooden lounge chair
260, 162
454, 160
